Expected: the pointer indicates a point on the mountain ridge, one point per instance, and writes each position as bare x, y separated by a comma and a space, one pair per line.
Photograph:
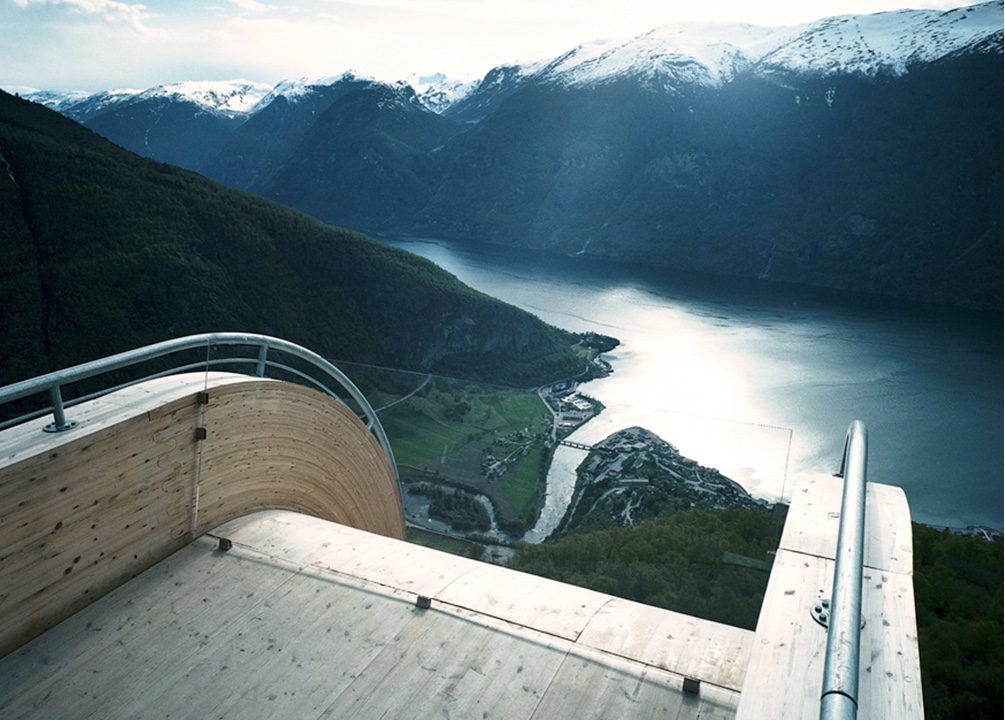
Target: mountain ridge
758, 157
845, 44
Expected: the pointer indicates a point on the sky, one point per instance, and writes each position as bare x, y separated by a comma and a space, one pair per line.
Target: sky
93, 45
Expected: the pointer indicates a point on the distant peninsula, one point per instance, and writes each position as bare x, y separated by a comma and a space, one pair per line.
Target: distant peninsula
633, 475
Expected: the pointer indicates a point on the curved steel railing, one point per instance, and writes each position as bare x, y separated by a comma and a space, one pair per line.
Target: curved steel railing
839, 692
54, 382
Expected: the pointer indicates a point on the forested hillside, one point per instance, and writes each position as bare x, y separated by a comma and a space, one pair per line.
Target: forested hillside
102, 251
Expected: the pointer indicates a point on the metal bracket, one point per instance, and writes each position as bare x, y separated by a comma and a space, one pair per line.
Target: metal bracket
60, 423
54, 428
821, 611
692, 686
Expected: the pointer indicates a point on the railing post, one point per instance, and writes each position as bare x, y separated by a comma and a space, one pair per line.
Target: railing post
839, 692
59, 423
263, 351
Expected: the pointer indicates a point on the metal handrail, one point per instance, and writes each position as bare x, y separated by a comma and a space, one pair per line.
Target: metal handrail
839, 692
53, 383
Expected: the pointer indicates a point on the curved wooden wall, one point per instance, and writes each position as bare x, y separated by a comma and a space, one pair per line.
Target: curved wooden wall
83, 511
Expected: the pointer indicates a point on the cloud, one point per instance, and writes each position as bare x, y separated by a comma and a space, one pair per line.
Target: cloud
131, 14
252, 5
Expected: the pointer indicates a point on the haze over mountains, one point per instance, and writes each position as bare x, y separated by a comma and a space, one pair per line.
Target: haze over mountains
857, 152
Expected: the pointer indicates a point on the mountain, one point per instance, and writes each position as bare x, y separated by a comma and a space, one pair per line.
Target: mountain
230, 98
890, 43
667, 58
104, 251
859, 152
180, 123
370, 155
875, 167
250, 156
714, 54
484, 98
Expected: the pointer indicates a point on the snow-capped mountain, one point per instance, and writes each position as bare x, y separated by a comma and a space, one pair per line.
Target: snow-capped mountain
668, 57
299, 89
712, 54
180, 123
80, 106
886, 43
232, 98
438, 92
252, 152
708, 54
485, 96
52, 99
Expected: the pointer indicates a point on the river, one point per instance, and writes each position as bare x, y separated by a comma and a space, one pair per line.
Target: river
761, 381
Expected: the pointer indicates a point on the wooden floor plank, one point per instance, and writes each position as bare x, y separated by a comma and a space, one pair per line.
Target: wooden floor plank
477, 667
267, 629
681, 644
560, 609
592, 685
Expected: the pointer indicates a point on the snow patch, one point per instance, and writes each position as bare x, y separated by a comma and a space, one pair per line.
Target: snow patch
712, 54
888, 42
231, 97
438, 92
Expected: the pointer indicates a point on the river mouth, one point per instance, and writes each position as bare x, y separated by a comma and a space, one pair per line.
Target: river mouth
762, 384
561, 483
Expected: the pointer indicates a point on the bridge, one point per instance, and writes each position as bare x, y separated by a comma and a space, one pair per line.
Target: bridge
229, 544
574, 444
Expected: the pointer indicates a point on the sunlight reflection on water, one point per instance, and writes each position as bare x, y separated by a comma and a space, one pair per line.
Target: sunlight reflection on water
762, 385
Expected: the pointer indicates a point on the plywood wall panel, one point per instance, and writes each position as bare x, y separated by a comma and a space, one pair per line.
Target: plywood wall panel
83, 511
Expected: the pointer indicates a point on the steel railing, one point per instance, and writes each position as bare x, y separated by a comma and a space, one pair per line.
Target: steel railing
839, 692
53, 383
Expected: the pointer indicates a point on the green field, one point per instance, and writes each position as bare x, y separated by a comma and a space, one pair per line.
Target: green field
523, 487
448, 415
456, 429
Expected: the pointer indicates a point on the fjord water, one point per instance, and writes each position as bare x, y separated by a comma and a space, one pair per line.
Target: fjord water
762, 381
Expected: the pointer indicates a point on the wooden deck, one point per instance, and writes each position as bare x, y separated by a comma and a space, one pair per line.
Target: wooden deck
786, 668
304, 618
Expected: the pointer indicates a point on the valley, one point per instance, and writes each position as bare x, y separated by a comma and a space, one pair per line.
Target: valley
483, 450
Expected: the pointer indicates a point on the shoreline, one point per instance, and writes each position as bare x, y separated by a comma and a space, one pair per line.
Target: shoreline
562, 478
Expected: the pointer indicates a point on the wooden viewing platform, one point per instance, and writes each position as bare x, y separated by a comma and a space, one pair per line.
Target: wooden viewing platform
259, 572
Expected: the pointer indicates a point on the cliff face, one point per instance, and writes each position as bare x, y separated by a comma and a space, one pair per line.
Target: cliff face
105, 251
